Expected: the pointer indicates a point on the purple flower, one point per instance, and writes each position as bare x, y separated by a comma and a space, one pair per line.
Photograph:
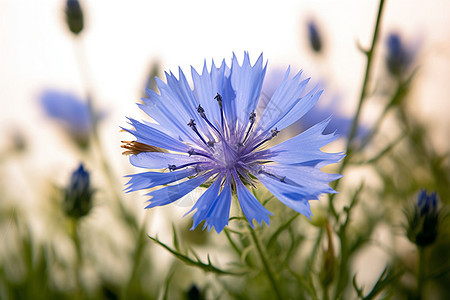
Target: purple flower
213, 136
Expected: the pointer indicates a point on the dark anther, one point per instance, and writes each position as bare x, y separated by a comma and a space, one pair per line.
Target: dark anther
252, 117
211, 143
275, 132
282, 179
191, 152
191, 123
201, 111
219, 99
194, 128
172, 167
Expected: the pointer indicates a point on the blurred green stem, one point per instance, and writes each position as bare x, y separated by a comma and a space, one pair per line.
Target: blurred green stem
107, 170
265, 263
362, 97
79, 258
420, 271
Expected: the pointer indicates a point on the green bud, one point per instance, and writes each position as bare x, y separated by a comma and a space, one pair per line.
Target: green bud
74, 16
423, 220
78, 194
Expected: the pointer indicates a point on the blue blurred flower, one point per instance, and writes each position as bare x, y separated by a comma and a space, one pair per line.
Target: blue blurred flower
71, 112
216, 138
78, 194
400, 55
424, 219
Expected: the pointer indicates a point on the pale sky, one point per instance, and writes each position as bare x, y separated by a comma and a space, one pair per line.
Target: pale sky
122, 38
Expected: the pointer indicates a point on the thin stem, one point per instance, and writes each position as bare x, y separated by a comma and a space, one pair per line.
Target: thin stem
78, 256
420, 271
107, 170
265, 263
362, 97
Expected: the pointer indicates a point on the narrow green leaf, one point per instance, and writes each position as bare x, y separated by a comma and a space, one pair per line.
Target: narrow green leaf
386, 278
189, 261
280, 229
175, 239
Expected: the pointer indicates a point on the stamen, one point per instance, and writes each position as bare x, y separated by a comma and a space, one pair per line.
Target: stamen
201, 111
174, 167
218, 97
195, 152
251, 118
274, 133
194, 127
280, 178
134, 147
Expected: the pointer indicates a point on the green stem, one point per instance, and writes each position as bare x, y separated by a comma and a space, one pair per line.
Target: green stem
265, 263
78, 259
107, 170
362, 97
420, 271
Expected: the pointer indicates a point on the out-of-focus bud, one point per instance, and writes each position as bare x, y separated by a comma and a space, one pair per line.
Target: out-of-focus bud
74, 16
399, 56
193, 293
314, 37
78, 194
423, 219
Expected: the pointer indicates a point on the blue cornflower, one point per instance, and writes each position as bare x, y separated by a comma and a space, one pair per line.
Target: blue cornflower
212, 135
73, 114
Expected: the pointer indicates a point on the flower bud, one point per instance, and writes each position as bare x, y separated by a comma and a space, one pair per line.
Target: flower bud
78, 194
423, 220
314, 37
399, 56
74, 16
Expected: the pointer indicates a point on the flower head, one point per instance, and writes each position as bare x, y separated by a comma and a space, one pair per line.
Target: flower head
78, 194
424, 219
73, 114
214, 136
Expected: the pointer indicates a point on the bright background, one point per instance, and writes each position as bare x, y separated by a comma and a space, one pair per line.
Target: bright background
123, 39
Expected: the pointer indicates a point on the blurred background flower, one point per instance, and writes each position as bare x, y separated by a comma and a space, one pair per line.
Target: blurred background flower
71, 113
